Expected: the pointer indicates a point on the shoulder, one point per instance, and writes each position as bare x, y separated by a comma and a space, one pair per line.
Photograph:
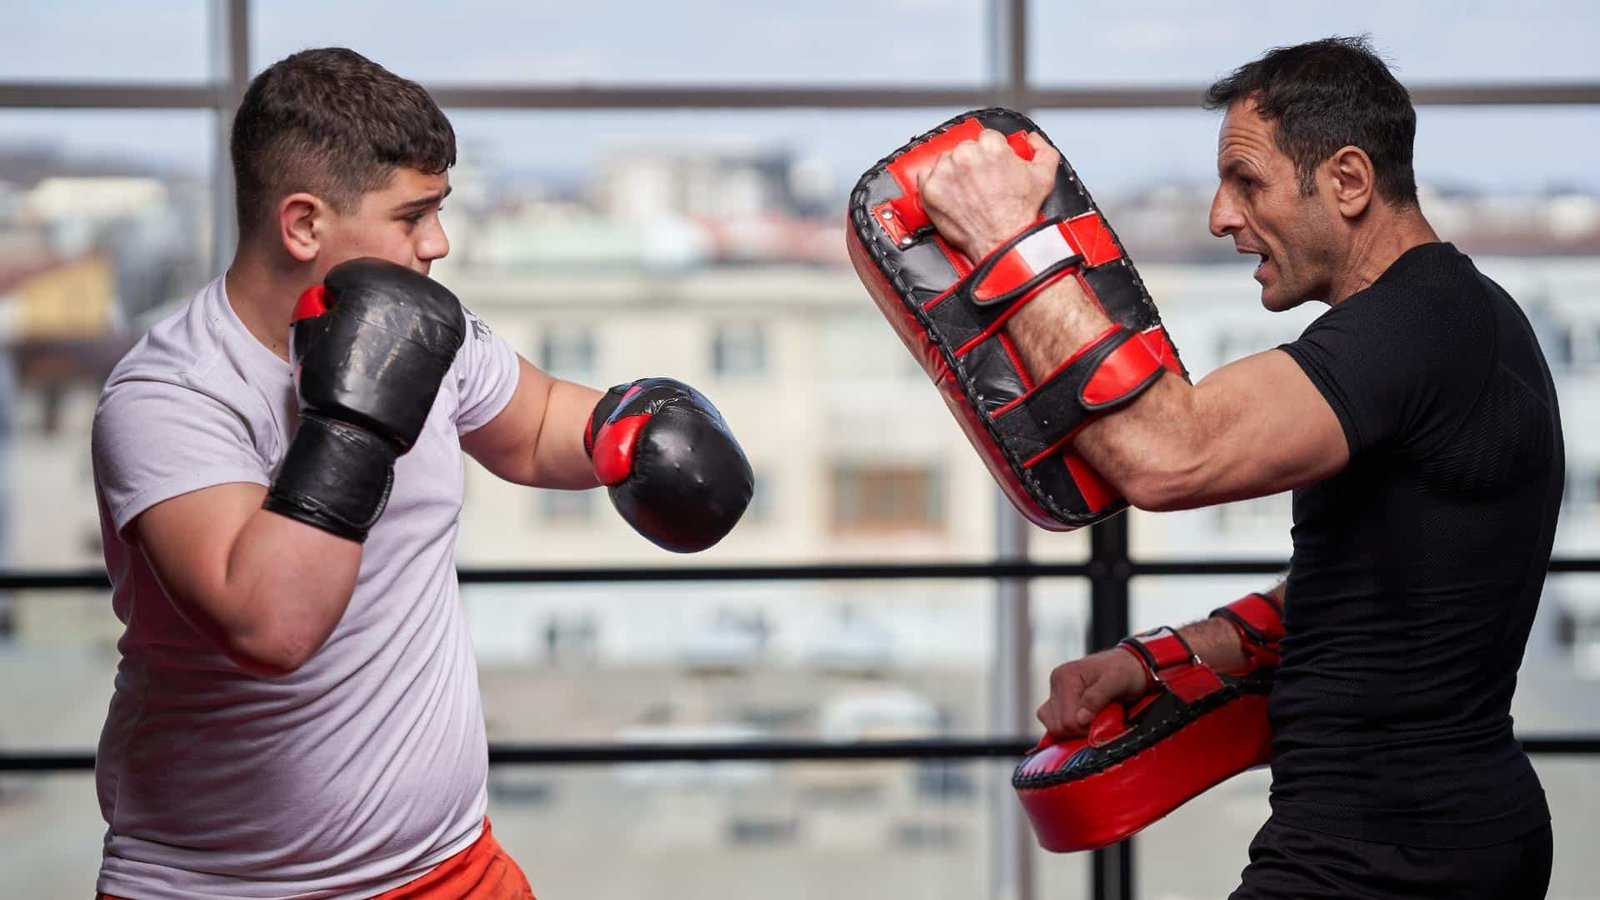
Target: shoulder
1430, 301
182, 373
177, 349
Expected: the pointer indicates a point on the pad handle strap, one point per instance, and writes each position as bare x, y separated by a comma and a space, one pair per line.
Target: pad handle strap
1105, 374
1038, 255
1169, 663
1258, 618
904, 218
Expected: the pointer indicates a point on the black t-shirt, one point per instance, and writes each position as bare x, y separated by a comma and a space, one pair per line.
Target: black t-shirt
1417, 570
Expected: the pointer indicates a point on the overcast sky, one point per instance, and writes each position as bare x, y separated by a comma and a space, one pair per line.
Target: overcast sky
834, 42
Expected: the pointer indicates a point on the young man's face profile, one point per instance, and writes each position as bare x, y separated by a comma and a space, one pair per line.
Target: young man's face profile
398, 223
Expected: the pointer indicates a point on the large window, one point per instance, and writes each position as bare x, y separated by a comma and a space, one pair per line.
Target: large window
618, 42
1175, 42
659, 191
107, 41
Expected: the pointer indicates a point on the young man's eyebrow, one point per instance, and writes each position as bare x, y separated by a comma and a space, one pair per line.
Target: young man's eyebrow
424, 202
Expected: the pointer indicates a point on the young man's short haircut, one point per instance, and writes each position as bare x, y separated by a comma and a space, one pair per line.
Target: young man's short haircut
334, 124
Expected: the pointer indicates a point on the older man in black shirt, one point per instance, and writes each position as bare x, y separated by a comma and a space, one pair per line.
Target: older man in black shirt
1415, 421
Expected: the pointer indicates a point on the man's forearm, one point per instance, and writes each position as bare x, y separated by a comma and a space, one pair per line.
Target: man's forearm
1146, 448
559, 460
1217, 643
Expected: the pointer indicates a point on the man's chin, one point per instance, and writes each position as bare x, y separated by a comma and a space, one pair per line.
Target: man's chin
1274, 299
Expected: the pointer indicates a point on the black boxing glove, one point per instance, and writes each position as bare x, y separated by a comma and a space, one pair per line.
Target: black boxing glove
672, 467
370, 347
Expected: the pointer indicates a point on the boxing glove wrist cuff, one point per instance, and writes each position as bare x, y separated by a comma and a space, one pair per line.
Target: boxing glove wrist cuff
335, 477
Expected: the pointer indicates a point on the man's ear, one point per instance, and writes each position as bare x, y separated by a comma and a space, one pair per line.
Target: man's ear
1354, 180
302, 223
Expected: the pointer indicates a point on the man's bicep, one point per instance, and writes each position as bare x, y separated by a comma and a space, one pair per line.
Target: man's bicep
188, 540
1276, 431
505, 444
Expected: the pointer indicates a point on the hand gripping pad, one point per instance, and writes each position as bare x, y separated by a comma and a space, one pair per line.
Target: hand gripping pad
1140, 761
951, 314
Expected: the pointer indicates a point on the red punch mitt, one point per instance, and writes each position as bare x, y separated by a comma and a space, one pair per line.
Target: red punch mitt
1196, 728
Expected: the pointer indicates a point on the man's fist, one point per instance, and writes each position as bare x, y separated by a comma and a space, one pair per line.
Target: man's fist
1081, 688
673, 469
370, 346
982, 193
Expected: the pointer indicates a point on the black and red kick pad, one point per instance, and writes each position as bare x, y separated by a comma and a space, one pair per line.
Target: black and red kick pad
1196, 728
951, 312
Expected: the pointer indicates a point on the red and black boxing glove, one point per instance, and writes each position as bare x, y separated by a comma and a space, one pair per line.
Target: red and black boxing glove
672, 467
370, 346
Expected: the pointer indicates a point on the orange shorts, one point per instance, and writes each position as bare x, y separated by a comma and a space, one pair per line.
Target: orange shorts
483, 871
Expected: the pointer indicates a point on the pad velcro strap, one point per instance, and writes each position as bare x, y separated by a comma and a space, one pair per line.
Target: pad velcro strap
1170, 663
1258, 618
1040, 254
1104, 374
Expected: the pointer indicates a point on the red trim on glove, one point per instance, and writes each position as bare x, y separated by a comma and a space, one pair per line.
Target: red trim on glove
613, 448
313, 302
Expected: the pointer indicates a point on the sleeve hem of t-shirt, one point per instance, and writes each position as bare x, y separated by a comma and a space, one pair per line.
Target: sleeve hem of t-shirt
1326, 386
498, 404
186, 483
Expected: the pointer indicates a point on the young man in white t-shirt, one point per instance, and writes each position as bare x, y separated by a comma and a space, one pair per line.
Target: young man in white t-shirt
279, 472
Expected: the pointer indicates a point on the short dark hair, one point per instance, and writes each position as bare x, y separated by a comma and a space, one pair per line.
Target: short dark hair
1328, 94
335, 124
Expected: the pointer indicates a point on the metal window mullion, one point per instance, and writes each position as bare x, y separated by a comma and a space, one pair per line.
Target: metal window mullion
1110, 571
232, 72
1011, 863
67, 95
1012, 867
231, 68
224, 91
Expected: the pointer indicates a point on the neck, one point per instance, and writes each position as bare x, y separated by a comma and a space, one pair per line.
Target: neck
262, 291
1386, 236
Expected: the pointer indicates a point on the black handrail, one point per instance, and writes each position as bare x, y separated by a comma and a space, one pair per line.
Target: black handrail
583, 754
25, 579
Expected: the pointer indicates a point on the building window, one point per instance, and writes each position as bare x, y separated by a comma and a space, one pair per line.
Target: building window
567, 351
1270, 512
872, 497
739, 350
566, 507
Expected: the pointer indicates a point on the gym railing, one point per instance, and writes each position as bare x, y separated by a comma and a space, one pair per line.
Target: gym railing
1108, 569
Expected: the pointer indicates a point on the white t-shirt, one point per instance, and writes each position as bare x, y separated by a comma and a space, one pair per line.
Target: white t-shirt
364, 768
